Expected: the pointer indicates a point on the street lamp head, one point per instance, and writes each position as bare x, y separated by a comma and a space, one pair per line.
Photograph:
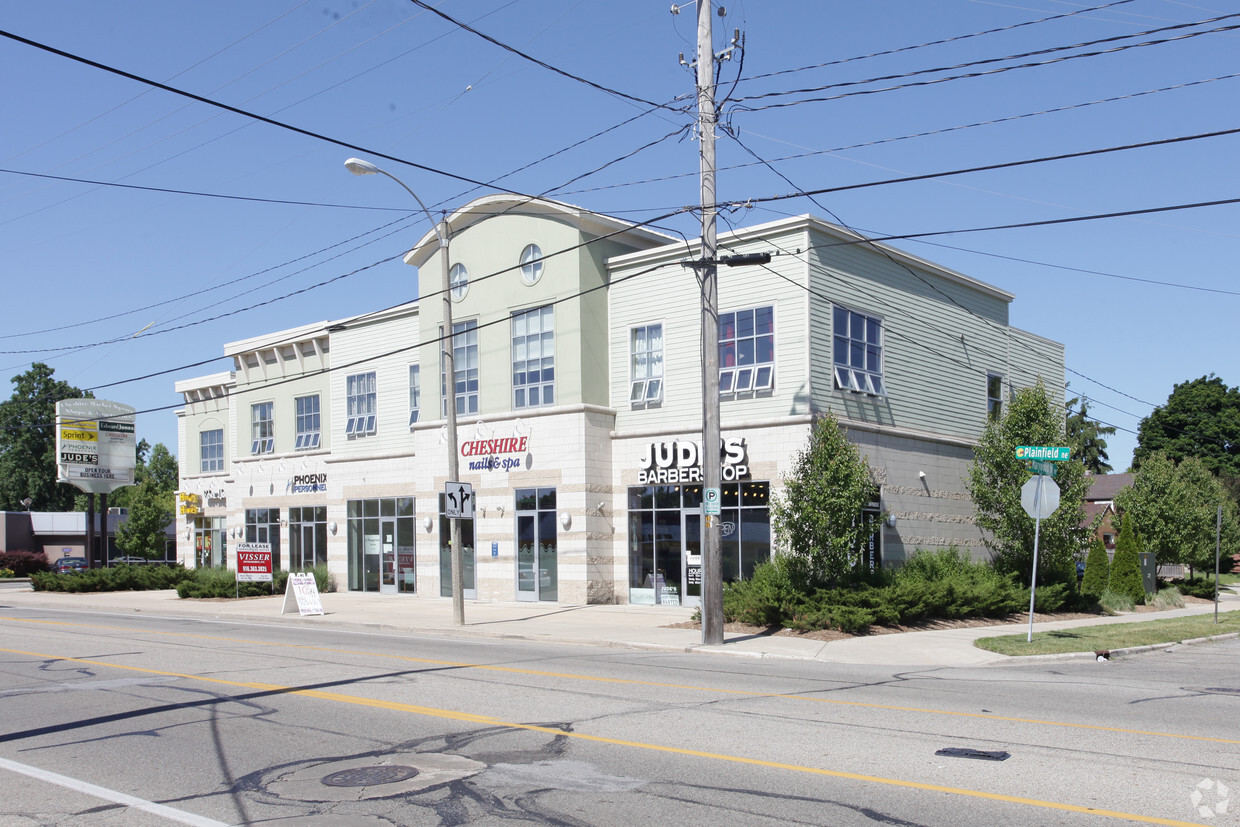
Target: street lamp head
359, 167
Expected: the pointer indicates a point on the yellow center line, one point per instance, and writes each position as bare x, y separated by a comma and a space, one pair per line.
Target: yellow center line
655, 684
714, 756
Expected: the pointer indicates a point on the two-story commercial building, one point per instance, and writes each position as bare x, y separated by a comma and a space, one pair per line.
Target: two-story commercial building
578, 391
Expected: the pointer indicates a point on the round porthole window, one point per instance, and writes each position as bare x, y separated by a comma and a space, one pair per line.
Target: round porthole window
531, 264
458, 278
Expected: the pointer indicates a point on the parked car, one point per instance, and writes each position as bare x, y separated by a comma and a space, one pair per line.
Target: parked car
131, 560
68, 564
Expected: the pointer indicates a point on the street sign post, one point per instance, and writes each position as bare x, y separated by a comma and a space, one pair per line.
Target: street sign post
1039, 497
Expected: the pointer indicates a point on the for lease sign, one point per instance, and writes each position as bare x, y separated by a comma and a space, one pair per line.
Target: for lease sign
253, 562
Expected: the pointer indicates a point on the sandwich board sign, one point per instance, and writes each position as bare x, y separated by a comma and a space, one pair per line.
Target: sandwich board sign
302, 588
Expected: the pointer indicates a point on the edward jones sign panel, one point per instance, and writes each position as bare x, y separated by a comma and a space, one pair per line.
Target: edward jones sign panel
95, 446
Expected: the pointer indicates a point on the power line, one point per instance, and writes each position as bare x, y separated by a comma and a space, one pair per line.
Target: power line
934, 42
225, 196
536, 61
978, 74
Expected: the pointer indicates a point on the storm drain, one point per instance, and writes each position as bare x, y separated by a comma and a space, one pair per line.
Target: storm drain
965, 752
370, 776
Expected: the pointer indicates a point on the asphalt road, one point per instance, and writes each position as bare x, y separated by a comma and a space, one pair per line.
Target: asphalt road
116, 719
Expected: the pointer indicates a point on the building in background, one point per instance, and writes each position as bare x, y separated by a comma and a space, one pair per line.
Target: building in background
577, 387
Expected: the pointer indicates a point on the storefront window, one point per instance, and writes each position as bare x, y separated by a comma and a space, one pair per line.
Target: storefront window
381, 545
210, 543
307, 537
262, 525
665, 538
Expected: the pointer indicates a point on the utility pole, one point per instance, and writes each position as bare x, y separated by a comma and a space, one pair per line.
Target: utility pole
712, 552
454, 475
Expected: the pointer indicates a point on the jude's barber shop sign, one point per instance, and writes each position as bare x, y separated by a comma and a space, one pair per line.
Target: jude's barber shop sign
664, 463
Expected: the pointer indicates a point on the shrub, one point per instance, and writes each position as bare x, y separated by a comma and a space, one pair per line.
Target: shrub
1168, 598
23, 563
114, 579
5, 573
1197, 587
222, 583
1126, 567
1097, 570
1116, 602
769, 596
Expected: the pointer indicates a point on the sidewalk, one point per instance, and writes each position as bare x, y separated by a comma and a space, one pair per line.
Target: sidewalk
640, 627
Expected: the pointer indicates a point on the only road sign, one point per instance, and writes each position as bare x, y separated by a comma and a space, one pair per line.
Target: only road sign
458, 501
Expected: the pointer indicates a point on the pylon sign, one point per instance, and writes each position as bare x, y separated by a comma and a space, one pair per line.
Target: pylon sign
96, 449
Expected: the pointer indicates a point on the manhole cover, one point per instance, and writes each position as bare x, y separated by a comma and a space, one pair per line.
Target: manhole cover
370, 776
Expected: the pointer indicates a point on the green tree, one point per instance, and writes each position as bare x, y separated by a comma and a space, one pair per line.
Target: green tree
155, 464
817, 519
1085, 437
994, 482
1126, 567
1200, 419
28, 443
1174, 509
143, 531
1097, 569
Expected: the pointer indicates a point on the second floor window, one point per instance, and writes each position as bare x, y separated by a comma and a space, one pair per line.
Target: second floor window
211, 446
747, 350
360, 405
262, 428
994, 395
415, 392
465, 364
307, 423
533, 358
858, 352
646, 364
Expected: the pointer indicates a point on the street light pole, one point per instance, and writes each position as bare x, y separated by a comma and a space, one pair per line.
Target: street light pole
360, 167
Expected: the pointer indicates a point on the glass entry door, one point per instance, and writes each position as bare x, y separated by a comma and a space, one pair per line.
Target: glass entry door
387, 557
693, 559
538, 575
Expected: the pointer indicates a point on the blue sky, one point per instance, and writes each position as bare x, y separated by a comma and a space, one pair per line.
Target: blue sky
109, 284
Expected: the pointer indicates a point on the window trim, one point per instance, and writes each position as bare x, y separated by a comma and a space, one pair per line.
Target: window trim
740, 379
541, 388
994, 404
262, 430
308, 439
464, 329
531, 261
202, 446
854, 378
359, 423
415, 393
648, 390
458, 289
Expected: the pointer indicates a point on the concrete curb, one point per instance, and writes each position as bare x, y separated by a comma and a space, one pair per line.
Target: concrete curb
1114, 653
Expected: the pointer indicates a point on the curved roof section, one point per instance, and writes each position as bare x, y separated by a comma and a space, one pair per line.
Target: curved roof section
489, 206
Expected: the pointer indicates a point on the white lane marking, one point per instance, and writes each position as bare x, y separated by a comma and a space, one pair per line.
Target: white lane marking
111, 795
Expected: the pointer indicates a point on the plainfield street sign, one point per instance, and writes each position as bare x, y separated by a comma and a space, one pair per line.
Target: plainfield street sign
1048, 453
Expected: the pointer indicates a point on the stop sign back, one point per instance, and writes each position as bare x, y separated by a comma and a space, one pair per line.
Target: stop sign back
1047, 502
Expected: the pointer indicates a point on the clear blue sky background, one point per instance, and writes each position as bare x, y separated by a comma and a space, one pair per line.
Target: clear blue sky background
108, 284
